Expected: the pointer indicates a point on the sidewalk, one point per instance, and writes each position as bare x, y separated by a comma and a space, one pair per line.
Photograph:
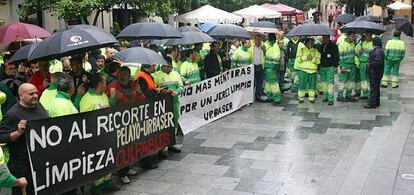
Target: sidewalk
297, 149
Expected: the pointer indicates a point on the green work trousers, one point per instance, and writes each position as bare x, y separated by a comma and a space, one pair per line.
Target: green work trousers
307, 84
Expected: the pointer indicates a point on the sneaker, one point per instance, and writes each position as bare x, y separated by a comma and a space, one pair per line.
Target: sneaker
312, 101
341, 99
384, 86
132, 172
125, 180
301, 101
395, 86
330, 103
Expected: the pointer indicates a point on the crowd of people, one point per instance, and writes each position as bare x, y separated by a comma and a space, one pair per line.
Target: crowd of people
95, 80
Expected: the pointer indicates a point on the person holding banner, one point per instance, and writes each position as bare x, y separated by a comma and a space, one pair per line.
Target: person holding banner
169, 79
126, 92
150, 90
96, 99
12, 130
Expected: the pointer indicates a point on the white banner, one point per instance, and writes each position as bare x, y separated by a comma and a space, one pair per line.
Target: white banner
216, 97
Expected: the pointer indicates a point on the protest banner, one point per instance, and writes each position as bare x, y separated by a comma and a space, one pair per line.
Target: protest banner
216, 97
70, 151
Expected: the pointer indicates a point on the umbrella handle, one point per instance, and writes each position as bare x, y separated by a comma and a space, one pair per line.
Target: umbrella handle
24, 190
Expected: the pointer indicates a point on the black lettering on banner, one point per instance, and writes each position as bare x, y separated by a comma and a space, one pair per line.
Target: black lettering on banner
69, 151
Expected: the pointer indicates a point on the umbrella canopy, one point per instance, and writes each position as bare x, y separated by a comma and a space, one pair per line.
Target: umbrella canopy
207, 26
139, 55
399, 6
310, 30
149, 30
72, 41
19, 31
404, 25
210, 14
362, 26
190, 38
188, 28
23, 53
256, 11
369, 18
281, 8
228, 31
345, 18
262, 27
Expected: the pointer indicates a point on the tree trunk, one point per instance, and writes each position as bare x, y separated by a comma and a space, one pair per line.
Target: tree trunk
39, 16
95, 19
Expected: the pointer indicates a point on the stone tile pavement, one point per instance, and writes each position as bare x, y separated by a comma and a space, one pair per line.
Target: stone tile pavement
297, 149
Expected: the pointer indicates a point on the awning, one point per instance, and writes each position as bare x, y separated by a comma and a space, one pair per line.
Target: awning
282, 8
399, 6
256, 11
210, 14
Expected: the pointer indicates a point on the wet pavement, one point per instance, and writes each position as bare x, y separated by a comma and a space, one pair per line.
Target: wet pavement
297, 149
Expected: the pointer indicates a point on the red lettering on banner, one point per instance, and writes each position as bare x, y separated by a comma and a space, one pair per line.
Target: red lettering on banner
141, 149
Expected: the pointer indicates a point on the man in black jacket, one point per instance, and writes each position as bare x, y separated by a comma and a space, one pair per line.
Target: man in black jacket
213, 61
13, 128
375, 70
329, 63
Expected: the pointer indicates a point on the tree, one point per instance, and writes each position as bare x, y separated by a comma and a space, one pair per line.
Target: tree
29, 7
354, 6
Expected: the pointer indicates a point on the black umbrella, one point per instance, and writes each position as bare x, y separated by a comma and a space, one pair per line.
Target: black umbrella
190, 38
345, 18
310, 30
368, 18
149, 30
228, 31
140, 55
404, 25
189, 28
23, 53
362, 26
76, 40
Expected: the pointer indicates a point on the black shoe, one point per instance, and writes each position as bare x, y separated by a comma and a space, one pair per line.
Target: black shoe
275, 103
357, 95
306, 94
301, 101
163, 154
384, 86
174, 149
312, 101
330, 103
341, 99
395, 86
370, 106
149, 166
363, 98
325, 100
351, 99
